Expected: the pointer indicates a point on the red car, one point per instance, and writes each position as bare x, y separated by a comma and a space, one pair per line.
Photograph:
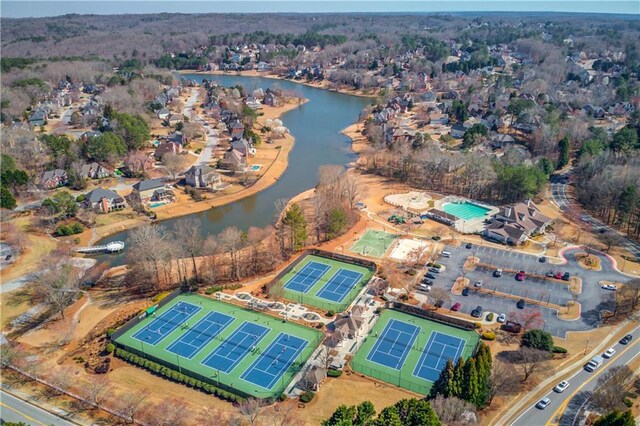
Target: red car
558, 275
456, 306
520, 276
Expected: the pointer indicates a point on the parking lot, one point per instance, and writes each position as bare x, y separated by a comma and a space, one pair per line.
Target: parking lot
593, 299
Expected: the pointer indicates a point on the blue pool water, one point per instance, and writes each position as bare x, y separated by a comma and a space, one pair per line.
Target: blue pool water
466, 210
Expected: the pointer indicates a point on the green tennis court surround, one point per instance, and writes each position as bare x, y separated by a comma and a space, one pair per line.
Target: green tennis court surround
325, 283
409, 351
233, 348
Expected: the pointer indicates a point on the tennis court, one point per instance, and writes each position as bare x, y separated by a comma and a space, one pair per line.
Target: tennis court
197, 337
439, 349
410, 351
234, 348
164, 324
339, 285
324, 283
373, 243
307, 277
272, 363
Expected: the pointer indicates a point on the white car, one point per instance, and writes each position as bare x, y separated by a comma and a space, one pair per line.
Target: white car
609, 353
608, 287
542, 404
478, 284
502, 318
560, 387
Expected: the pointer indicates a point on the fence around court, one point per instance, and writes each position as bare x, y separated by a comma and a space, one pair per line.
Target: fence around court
312, 300
432, 315
405, 381
142, 315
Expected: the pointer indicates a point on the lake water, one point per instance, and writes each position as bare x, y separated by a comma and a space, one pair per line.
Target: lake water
316, 126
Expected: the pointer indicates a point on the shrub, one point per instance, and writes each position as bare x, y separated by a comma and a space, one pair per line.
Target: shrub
489, 335
307, 396
628, 402
632, 395
334, 373
198, 150
490, 316
283, 397
559, 350
436, 238
110, 348
80, 198
537, 339
412, 272
214, 289
110, 332
330, 313
160, 296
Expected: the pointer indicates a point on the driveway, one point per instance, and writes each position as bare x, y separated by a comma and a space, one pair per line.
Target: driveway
592, 299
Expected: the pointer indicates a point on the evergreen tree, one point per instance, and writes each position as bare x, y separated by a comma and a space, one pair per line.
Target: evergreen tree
388, 417
6, 199
415, 412
616, 418
297, 222
627, 203
471, 390
483, 364
444, 384
458, 379
343, 416
537, 339
365, 412
563, 159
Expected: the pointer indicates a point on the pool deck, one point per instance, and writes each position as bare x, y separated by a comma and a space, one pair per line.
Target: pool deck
468, 226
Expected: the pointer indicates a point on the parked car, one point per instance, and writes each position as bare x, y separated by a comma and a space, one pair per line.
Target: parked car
469, 245
426, 281
456, 306
436, 270
424, 287
608, 287
558, 275
497, 273
478, 284
626, 339
609, 353
477, 312
543, 403
561, 387
502, 318
549, 274
520, 304
542, 259
520, 276
566, 276
430, 275
465, 291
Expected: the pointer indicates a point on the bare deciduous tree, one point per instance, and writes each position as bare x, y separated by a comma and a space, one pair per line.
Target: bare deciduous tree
130, 403
174, 163
454, 411
503, 380
613, 385
250, 409
231, 241
187, 234
529, 361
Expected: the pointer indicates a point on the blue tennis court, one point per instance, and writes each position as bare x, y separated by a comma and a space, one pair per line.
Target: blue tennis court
306, 278
243, 340
440, 348
200, 334
392, 347
274, 361
339, 285
163, 325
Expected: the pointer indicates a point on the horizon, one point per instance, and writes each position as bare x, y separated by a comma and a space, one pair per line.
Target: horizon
52, 8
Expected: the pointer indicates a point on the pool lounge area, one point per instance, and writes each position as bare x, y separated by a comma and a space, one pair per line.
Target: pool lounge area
466, 210
467, 216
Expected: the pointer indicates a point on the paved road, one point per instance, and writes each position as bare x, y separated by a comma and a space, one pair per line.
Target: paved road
13, 409
593, 299
561, 198
564, 406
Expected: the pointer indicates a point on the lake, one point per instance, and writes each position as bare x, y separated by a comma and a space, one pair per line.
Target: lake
316, 126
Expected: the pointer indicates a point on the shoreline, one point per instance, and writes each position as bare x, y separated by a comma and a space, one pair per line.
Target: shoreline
267, 74
171, 211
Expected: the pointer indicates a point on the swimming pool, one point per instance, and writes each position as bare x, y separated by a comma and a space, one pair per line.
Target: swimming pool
256, 167
465, 210
158, 204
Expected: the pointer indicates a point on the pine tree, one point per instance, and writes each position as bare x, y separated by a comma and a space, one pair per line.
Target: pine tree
458, 379
471, 390
443, 385
483, 364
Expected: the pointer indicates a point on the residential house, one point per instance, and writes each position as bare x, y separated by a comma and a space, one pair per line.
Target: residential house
202, 176
151, 190
594, 111
513, 224
263, 66
253, 103
271, 99
236, 129
93, 171
91, 108
243, 146
167, 148
458, 130
90, 134
234, 160
501, 140
38, 117
163, 113
177, 137
104, 200
137, 163
53, 178
174, 119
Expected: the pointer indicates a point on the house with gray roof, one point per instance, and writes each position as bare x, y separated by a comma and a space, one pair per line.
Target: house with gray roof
152, 190
104, 200
53, 178
202, 176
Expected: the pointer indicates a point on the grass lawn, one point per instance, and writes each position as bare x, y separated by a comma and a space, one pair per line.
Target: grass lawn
253, 354
404, 375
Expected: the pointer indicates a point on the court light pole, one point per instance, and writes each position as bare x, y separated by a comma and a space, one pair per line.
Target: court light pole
178, 359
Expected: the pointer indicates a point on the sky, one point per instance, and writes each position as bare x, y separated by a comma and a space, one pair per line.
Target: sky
40, 8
